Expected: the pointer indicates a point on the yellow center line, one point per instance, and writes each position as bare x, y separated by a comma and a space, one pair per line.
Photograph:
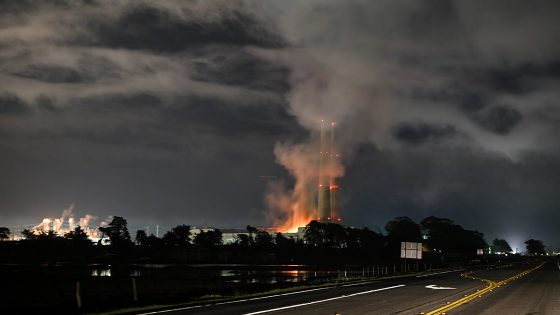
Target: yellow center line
479, 293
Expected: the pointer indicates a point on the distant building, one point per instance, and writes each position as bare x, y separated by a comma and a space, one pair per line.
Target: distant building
230, 236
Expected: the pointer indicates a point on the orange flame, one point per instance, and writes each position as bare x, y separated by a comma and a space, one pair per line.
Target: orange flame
295, 208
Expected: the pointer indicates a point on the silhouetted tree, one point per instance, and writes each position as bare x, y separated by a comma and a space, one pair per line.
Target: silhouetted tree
263, 239
325, 235
447, 237
208, 238
28, 234
242, 240
500, 246
354, 239
400, 229
41, 236
252, 234
363, 238
403, 229
4, 233
154, 241
535, 247
470, 241
141, 237
335, 236
117, 231
77, 236
178, 236
442, 233
283, 242
315, 234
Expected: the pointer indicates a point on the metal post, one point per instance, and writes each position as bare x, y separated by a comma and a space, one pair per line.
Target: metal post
78, 295
134, 291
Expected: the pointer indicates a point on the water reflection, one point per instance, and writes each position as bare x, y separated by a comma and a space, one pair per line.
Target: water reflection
242, 274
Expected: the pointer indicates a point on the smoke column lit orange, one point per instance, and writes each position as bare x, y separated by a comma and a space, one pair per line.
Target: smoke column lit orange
296, 207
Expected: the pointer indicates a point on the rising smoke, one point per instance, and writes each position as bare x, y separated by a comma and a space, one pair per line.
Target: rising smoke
67, 223
398, 73
452, 85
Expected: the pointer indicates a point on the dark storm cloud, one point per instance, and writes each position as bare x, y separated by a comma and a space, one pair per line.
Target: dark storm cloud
499, 119
53, 74
45, 103
119, 103
130, 96
425, 73
148, 27
234, 121
241, 69
124, 136
12, 105
421, 132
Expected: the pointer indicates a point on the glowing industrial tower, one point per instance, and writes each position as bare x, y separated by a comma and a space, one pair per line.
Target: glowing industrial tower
328, 193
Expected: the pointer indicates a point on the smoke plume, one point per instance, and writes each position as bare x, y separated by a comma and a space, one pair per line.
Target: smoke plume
410, 74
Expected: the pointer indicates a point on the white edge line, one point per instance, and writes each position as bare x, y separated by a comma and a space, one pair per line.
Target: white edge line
359, 283
253, 299
438, 273
325, 300
236, 301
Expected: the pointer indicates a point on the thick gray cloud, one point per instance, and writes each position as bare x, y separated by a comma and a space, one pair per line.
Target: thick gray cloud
150, 27
419, 133
11, 105
168, 111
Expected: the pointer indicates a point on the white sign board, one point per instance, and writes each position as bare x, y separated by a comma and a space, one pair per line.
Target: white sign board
411, 250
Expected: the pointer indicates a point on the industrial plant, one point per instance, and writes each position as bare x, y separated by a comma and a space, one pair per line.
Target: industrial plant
328, 196
324, 200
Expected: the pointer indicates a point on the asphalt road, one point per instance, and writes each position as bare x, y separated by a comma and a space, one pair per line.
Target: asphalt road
536, 292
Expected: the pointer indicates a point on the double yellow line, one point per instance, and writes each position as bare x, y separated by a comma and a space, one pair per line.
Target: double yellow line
479, 293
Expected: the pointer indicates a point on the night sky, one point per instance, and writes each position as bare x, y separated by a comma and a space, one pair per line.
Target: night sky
173, 112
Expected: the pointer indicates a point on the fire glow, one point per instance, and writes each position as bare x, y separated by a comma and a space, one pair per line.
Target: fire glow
316, 167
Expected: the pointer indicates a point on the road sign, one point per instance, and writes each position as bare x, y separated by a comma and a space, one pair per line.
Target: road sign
411, 250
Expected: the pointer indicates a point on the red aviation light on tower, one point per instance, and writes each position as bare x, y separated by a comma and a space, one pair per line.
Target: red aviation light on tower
334, 187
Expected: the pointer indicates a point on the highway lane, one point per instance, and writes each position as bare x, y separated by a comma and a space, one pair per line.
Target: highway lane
535, 293
472, 292
403, 295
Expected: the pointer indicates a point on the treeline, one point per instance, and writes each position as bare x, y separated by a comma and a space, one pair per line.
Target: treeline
441, 237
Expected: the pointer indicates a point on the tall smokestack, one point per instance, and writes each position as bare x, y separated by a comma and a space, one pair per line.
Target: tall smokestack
323, 197
334, 187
